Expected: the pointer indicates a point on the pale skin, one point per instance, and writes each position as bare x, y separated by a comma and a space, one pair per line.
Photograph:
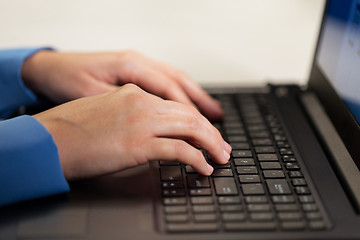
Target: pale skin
109, 123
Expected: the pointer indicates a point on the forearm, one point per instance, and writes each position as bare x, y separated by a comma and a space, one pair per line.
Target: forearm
29, 162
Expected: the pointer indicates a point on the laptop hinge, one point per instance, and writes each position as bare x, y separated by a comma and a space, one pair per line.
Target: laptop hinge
343, 161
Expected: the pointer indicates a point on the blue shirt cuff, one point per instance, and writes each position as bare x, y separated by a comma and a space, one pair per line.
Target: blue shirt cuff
29, 162
13, 92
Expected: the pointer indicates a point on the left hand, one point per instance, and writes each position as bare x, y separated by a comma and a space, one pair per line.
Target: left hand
67, 76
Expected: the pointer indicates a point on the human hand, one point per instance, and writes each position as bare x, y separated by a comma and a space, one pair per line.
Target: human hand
127, 127
67, 76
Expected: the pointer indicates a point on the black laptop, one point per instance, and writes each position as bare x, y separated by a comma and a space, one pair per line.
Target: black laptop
293, 172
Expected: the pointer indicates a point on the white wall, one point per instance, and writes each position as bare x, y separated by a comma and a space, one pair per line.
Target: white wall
214, 41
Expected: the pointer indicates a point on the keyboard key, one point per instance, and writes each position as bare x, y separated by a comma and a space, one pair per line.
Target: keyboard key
309, 207
177, 218
175, 201
233, 217
262, 217
250, 226
267, 157
288, 158
170, 173
258, 207
234, 131
256, 127
200, 192
253, 189
208, 217
278, 186
198, 181
282, 144
265, 149
286, 151
279, 137
244, 162
256, 199
241, 153
259, 134
233, 124
283, 199
176, 184
262, 142
222, 172
241, 138
203, 208
302, 190
306, 199
231, 208
249, 178
201, 200
225, 186
289, 216
247, 170
256, 120
313, 215
295, 174
228, 200
270, 165
292, 166
175, 209
286, 207
299, 182
239, 146
273, 174
173, 192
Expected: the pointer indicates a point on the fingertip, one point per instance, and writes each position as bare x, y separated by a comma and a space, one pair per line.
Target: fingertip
228, 147
226, 156
210, 170
212, 109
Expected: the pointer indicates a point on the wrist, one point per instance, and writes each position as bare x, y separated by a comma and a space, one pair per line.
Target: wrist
34, 70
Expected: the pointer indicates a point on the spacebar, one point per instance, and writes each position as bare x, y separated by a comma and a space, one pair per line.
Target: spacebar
225, 186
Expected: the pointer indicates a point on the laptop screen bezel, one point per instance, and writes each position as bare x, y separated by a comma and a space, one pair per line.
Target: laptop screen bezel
345, 123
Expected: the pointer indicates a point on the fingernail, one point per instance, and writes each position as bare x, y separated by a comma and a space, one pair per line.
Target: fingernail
219, 108
228, 147
210, 169
226, 155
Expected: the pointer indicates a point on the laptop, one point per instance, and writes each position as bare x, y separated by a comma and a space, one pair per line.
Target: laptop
293, 172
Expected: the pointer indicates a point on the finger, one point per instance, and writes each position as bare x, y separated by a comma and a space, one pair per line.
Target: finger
98, 87
175, 108
157, 83
193, 130
207, 104
177, 150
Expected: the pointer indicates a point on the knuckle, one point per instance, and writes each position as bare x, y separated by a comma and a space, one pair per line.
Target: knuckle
169, 90
198, 156
179, 147
130, 87
191, 123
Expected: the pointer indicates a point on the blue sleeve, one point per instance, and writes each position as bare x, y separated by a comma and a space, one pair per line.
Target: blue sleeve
29, 161
13, 92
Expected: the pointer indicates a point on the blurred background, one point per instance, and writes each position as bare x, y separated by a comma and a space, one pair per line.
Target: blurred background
214, 41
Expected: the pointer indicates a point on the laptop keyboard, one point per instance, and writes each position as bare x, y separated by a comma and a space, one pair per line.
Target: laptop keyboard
262, 187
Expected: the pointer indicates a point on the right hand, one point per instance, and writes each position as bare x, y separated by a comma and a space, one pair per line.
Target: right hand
127, 127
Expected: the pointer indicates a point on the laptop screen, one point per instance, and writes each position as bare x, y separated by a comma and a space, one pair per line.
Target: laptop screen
339, 51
